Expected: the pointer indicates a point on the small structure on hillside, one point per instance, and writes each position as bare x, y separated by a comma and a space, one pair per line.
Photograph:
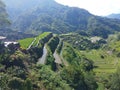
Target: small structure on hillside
10, 42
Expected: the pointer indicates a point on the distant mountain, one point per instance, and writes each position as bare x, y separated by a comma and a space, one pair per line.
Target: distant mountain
115, 16
16, 7
47, 15
4, 22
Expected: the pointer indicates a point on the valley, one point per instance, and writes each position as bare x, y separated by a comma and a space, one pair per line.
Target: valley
45, 45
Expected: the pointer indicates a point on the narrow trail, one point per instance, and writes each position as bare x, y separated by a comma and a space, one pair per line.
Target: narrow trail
31, 44
57, 58
43, 58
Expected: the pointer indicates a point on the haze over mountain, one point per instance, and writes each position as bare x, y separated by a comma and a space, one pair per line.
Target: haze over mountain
5, 26
47, 15
16, 7
3, 16
114, 16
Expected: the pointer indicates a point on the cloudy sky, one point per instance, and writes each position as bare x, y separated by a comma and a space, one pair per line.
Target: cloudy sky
97, 7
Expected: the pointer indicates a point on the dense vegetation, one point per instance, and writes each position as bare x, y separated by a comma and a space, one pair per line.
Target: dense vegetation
103, 52
48, 15
83, 42
86, 62
32, 42
28, 75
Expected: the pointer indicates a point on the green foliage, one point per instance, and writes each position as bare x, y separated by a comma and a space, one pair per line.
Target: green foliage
52, 80
33, 42
26, 42
76, 79
113, 44
3, 80
20, 71
59, 48
41, 36
16, 83
57, 18
114, 81
28, 84
53, 43
99, 26
82, 42
68, 53
50, 59
90, 80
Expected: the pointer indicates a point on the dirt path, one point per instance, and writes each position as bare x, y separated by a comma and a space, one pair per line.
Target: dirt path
31, 43
43, 58
57, 58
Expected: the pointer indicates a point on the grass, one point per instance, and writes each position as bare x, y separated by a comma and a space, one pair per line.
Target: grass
101, 86
24, 43
103, 61
38, 38
105, 64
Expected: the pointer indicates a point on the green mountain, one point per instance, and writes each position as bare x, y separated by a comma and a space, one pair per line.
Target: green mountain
72, 59
48, 15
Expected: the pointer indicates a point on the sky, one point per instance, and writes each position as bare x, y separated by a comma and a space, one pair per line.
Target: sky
96, 7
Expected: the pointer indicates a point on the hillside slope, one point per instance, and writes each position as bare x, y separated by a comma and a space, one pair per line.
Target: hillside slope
22, 69
115, 16
48, 15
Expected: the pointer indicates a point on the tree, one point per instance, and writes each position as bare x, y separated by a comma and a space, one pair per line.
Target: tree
74, 77
28, 84
16, 84
52, 80
3, 81
115, 81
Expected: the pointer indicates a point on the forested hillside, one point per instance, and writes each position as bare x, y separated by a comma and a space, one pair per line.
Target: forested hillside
57, 47
48, 15
63, 68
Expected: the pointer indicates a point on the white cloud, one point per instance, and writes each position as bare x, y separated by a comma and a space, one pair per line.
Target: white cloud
97, 7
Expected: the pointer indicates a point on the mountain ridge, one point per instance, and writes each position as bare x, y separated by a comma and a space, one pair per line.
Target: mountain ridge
114, 16
57, 18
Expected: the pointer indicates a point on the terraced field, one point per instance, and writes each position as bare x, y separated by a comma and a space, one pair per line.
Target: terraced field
24, 43
104, 62
38, 38
28, 42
